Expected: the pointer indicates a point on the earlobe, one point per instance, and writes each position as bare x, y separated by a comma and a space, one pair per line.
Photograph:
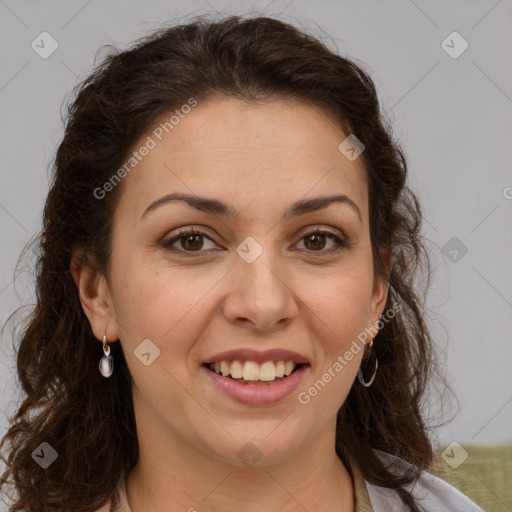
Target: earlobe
95, 298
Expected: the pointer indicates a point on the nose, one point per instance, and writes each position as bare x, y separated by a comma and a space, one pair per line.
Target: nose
260, 294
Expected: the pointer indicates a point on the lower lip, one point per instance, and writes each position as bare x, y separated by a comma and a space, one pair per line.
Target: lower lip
258, 394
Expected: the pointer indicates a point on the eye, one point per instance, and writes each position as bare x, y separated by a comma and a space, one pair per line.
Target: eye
316, 240
191, 241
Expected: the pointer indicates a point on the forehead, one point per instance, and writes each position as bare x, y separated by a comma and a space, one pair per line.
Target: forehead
263, 155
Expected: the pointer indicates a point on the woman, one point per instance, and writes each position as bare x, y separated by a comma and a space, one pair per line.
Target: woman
225, 306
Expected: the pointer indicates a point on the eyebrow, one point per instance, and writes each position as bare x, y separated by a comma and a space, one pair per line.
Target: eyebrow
216, 207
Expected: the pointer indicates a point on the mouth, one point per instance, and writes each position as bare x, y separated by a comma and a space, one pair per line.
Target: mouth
254, 373
256, 378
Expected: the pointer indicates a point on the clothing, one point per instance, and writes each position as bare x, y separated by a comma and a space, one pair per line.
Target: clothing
432, 493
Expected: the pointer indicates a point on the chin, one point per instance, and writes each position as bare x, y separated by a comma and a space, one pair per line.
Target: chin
262, 448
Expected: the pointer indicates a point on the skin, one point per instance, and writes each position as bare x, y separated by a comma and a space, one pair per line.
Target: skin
259, 159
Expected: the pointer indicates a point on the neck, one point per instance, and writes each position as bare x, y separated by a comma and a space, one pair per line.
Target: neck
174, 476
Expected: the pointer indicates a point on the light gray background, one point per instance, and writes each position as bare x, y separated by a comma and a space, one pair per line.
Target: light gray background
453, 118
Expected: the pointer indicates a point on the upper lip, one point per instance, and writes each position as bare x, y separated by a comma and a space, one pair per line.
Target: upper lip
258, 356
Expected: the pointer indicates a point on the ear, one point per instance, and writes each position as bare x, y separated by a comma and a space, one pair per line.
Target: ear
381, 287
95, 298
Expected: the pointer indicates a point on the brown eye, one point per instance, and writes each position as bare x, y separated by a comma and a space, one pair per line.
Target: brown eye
191, 242
315, 241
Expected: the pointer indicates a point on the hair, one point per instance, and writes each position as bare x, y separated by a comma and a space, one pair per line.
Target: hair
89, 420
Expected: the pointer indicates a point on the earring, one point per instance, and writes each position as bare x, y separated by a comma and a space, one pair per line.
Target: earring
106, 364
360, 376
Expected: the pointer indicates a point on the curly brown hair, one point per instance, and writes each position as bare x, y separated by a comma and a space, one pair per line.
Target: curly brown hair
90, 420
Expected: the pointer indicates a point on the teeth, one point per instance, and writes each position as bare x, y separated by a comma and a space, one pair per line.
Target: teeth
224, 368
267, 371
251, 370
236, 370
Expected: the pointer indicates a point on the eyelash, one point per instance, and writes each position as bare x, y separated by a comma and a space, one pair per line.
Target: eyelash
341, 244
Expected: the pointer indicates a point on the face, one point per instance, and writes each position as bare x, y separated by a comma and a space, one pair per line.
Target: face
268, 276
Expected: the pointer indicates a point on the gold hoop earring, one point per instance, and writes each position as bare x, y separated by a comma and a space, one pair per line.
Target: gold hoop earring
106, 364
360, 376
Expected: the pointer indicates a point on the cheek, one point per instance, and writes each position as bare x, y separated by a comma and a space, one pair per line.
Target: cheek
149, 299
343, 301
167, 305
341, 314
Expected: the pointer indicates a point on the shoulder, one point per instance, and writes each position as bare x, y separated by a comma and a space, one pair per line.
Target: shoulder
432, 493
